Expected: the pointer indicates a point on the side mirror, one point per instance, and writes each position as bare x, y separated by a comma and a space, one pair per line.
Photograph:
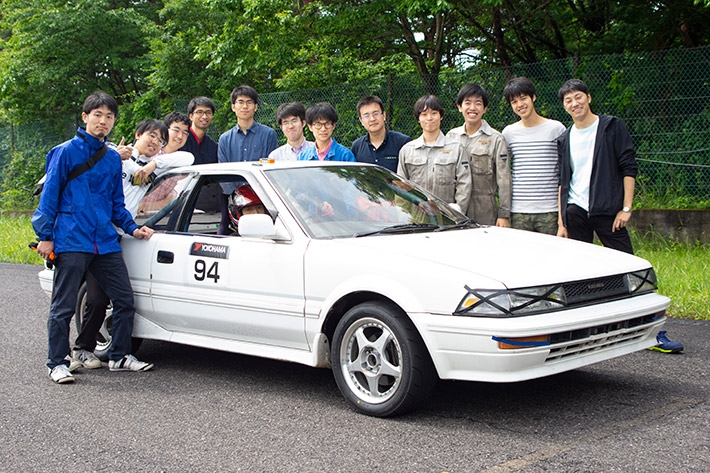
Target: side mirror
456, 207
261, 226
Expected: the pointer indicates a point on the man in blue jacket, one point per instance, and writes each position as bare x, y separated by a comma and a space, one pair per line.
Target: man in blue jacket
74, 221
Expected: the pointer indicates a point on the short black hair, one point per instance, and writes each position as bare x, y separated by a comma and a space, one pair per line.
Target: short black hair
321, 110
428, 102
471, 90
199, 101
290, 109
369, 100
146, 126
97, 100
245, 90
518, 86
571, 86
177, 117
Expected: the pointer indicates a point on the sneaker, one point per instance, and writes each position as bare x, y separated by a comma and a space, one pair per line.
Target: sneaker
128, 363
84, 358
73, 364
665, 345
60, 374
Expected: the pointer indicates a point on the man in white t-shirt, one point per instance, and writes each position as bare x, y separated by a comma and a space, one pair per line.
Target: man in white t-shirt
532, 146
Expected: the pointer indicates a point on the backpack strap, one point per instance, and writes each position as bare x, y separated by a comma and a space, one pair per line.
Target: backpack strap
85, 166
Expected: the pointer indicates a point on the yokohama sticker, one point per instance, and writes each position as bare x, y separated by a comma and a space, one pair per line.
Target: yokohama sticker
209, 250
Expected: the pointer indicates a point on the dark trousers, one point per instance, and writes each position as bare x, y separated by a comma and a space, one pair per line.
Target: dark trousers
97, 302
580, 226
110, 272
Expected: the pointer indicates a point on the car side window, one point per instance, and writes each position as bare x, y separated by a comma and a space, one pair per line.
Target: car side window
163, 200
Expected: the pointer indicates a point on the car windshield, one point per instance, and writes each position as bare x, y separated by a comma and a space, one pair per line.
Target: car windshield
356, 201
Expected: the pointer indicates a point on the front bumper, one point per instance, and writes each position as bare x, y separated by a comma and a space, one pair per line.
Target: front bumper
466, 348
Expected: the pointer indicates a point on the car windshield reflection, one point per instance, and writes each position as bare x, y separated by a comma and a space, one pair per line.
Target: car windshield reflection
350, 201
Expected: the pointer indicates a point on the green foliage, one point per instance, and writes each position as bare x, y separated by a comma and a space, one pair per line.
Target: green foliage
15, 234
58, 52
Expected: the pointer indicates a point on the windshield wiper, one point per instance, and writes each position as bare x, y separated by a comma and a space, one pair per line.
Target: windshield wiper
403, 228
466, 223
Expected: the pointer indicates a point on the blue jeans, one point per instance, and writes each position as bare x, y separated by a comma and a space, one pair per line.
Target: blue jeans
110, 272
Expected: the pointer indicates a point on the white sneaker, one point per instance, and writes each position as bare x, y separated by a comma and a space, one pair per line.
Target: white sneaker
60, 374
128, 363
84, 358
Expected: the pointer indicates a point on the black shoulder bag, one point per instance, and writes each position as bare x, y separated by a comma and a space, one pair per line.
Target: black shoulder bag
77, 171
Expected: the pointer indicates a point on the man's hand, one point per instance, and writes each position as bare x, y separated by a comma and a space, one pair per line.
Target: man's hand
503, 222
621, 220
124, 151
143, 233
562, 231
142, 176
45, 248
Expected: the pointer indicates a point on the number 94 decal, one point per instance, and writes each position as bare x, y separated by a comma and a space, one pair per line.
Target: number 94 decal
202, 272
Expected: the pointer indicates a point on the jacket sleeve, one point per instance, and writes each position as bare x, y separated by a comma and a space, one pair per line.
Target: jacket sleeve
624, 149
503, 177
46, 213
173, 160
120, 216
463, 180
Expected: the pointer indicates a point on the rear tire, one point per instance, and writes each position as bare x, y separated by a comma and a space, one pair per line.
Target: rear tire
380, 362
103, 338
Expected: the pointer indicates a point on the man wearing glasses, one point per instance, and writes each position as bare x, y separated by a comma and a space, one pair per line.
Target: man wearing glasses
248, 140
380, 145
200, 110
321, 119
291, 117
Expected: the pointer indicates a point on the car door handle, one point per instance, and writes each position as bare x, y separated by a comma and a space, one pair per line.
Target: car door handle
166, 257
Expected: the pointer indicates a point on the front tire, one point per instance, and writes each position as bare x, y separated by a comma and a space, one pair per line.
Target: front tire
380, 362
103, 338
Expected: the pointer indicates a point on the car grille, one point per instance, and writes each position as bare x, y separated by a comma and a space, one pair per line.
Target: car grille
579, 342
595, 289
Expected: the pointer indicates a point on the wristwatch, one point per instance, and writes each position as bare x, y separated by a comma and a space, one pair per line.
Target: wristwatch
626, 209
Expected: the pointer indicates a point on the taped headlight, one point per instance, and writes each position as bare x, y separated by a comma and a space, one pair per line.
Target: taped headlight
641, 281
511, 302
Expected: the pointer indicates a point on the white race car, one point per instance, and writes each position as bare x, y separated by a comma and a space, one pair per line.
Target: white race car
358, 270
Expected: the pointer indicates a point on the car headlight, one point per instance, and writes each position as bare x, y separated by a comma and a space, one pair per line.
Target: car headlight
511, 302
641, 281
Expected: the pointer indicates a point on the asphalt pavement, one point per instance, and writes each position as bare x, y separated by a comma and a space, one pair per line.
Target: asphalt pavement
206, 411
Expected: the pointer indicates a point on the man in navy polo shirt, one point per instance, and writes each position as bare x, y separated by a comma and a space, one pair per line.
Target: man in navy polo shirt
380, 145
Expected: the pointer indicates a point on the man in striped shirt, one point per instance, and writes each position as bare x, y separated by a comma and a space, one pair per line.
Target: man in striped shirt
532, 145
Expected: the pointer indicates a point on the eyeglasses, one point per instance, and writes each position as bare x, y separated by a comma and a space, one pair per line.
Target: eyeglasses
157, 138
242, 103
293, 122
180, 132
319, 125
367, 116
207, 113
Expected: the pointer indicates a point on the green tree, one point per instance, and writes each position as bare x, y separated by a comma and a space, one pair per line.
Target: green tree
54, 53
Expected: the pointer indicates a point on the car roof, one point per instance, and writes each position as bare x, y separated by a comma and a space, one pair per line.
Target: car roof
220, 168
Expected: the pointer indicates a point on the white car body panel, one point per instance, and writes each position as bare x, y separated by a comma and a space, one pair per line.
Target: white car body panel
272, 298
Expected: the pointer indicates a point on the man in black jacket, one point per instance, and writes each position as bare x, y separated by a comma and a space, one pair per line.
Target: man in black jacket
597, 179
597, 173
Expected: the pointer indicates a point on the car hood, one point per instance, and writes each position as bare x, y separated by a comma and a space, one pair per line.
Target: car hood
515, 258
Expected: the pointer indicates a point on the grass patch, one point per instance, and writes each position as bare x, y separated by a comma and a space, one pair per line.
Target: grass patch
682, 269
15, 234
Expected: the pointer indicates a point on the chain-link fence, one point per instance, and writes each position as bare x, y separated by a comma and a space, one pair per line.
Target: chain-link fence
662, 96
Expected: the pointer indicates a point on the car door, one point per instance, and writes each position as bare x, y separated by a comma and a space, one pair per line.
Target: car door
230, 287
